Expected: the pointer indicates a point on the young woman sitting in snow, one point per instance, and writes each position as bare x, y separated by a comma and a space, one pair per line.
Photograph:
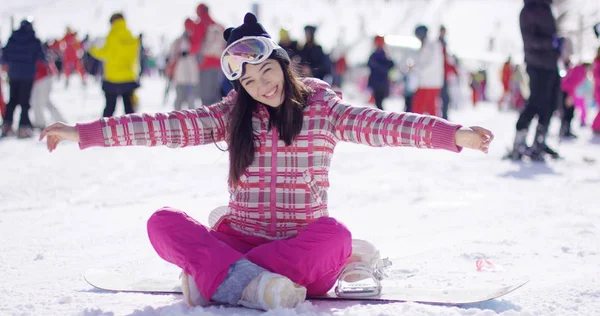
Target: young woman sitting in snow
276, 244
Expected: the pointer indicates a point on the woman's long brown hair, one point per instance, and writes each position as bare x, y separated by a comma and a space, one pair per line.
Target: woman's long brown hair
287, 118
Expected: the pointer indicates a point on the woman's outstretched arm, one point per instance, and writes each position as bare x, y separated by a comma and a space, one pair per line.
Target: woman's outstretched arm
174, 129
377, 128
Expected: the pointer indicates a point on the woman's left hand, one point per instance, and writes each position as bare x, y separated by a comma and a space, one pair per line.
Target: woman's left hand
474, 137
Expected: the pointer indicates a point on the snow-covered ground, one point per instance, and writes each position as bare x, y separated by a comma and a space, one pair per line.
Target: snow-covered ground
433, 213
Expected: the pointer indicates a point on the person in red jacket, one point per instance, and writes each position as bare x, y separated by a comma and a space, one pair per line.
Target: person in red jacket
507, 72
71, 51
207, 43
340, 67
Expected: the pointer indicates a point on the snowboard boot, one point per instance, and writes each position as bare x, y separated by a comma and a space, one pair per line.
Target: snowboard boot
191, 295
270, 290
519, 145
24, 132
540, 148
7, 130
553, 154
565, 131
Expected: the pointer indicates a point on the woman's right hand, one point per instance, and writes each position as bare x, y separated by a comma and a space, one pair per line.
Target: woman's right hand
58, 132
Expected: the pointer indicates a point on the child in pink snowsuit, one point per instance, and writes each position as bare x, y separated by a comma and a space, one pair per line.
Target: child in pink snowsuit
569, 84
596, 72
276, 244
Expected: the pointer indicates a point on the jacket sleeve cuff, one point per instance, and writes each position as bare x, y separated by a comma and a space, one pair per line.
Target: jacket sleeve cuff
443, 136
90, 134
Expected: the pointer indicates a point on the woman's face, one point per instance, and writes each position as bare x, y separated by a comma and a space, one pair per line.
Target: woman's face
264, 82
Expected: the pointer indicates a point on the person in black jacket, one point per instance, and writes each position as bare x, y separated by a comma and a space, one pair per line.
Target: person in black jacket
380, 65
314, 62
542, 49
20, 54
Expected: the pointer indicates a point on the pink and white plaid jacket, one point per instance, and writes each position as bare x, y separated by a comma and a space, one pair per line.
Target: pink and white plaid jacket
285, 188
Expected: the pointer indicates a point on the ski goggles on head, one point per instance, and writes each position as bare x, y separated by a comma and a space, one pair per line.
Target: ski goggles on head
246, 50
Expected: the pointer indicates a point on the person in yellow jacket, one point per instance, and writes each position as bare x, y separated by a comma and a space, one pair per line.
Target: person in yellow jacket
121, 65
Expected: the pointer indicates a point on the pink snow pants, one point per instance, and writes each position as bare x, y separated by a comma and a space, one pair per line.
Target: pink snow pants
313, 258
579, 104
596, 123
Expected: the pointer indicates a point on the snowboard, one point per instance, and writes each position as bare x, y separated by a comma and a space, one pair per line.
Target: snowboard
114, 281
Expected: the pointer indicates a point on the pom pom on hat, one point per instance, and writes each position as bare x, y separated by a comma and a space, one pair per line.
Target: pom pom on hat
251, 27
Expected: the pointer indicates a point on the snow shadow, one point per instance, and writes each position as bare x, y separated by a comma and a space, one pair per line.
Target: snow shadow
183, 309
95, 312
595, 140
96, 290
498, 306
178, 309
528, 171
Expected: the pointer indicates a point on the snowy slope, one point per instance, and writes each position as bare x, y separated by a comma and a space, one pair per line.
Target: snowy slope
348, 21
433, 213
470, 23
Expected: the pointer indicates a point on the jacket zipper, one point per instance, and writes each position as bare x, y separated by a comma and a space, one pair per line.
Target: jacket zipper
273, 196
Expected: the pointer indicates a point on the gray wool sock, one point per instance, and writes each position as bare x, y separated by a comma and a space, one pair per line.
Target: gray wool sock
241, 273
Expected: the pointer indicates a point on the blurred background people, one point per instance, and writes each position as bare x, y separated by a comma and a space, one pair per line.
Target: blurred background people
184, 69
21, 54
542, 48
430, 66
312, 58
380, 65
120, 55
208, 45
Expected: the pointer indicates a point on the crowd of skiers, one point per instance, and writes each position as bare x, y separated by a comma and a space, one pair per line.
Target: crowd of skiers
193, 61
426, 80
192, 68
427, 91
31, 66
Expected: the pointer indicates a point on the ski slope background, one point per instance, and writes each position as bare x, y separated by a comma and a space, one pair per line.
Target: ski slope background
433, 213
343, 25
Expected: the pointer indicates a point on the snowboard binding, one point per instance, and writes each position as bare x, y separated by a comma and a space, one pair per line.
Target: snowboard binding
363, 272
